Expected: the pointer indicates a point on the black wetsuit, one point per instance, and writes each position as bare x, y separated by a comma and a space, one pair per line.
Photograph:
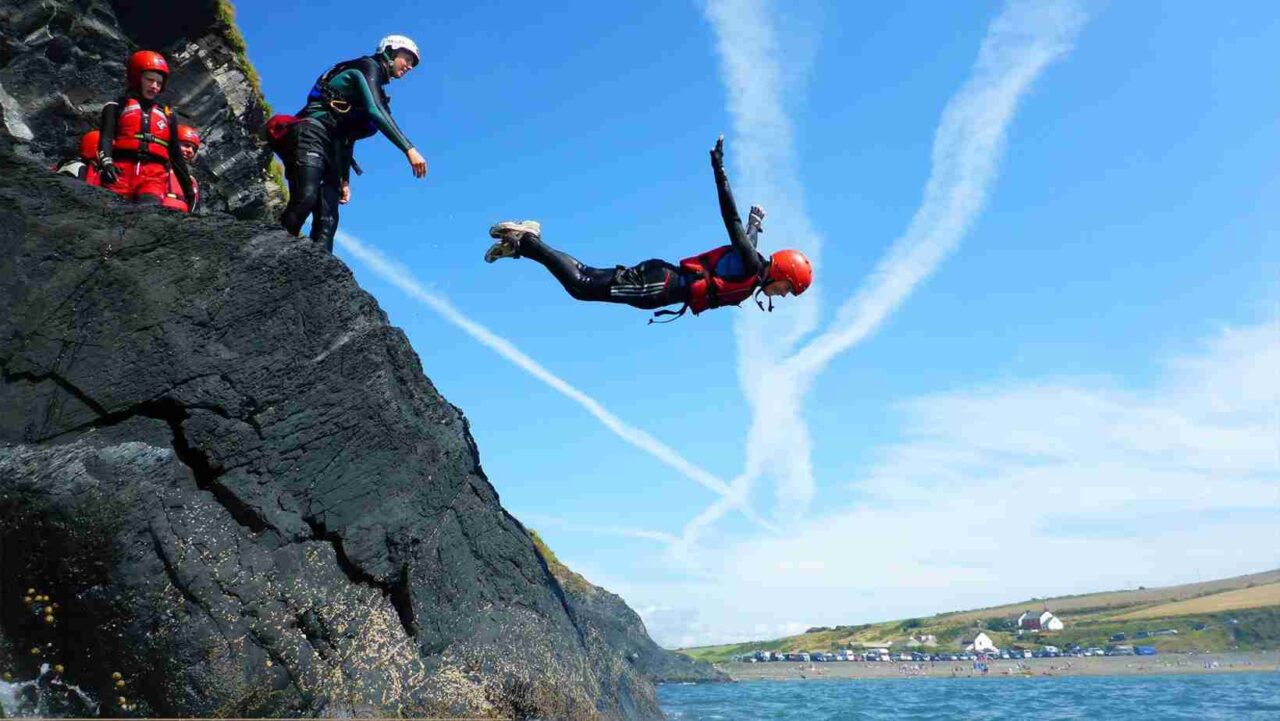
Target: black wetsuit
653, 283
345, 104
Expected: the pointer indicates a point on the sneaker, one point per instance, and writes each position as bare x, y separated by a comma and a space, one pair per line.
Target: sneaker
515, 228
504, 248
756, 217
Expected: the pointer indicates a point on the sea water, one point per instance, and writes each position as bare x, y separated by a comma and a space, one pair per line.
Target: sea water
1202, 696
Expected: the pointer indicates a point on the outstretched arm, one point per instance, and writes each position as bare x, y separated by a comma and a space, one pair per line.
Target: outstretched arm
365, 80
744, 244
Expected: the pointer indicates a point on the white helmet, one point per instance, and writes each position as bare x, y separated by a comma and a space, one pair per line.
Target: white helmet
399, 42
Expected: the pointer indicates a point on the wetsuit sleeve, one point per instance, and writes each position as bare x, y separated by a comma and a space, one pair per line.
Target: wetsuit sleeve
365, 79
744, 244
107, 125
348, 154
176, 161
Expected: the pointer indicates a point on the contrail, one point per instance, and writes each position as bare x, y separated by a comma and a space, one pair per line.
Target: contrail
401, 278
1019, 44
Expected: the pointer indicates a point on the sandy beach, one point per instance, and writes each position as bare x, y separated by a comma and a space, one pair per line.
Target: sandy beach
1261, 661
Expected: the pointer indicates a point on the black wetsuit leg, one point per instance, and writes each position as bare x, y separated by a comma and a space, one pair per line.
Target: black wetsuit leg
314, 186
651, 284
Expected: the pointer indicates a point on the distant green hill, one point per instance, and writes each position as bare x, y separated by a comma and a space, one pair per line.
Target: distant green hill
1241, 612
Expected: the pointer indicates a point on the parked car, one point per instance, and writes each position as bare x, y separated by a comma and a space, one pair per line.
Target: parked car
1141, 634
1144, 650
1117, 637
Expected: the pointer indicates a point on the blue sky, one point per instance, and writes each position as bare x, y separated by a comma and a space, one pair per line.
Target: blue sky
1059, 378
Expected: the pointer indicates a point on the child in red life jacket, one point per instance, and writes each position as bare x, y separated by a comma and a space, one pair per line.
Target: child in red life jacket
174, 199
138, 147
84, 166
722, 276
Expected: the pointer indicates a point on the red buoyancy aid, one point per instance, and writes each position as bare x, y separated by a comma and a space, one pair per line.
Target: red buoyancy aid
709, 290
148, 132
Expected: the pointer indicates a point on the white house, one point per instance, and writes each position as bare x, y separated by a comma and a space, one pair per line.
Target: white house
980, 643
1050, 622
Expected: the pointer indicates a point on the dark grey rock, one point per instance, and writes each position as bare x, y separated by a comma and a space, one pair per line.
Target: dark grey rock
232, 475
61, 60
622, 629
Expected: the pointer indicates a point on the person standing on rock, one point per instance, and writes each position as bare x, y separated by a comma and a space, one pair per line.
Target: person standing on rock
174, 199
722, 276
346, 104
137, 148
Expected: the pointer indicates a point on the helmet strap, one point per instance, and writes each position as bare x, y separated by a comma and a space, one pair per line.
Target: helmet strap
756, 298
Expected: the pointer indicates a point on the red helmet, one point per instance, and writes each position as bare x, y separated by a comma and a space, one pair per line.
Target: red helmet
188, 134
143, 61
793, 266
89, 145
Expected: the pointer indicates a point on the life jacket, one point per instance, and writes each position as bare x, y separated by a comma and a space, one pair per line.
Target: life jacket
145, 132
324, 100
709, 290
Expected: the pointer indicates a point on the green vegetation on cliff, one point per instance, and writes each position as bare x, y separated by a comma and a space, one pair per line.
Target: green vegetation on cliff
1237, 613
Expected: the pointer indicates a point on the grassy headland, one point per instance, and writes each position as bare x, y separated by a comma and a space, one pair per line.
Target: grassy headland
1241, 613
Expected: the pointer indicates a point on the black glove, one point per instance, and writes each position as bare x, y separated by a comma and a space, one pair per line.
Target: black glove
108, 173
717, 153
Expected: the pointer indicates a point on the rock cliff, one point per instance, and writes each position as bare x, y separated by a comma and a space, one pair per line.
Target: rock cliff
61, 60
223, 476
233, 477
623, 629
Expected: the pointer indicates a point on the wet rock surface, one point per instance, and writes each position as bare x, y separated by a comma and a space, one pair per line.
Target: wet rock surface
230, 473
61, 60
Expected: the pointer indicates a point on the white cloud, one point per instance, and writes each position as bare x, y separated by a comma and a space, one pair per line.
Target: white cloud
1034, 488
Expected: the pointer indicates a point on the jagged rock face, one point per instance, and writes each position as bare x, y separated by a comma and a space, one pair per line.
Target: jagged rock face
231, 474
622, 628
61, 60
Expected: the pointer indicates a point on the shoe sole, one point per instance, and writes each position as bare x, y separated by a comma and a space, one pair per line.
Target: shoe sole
498, 250
501, 229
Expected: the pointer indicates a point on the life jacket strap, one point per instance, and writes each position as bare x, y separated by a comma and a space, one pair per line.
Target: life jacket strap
673, 313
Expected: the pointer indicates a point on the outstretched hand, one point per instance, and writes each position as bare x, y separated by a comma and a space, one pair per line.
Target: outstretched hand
717, 153
417, 162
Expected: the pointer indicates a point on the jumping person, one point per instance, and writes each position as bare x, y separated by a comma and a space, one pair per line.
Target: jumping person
174, 199
137, 149
726, 275
346, 104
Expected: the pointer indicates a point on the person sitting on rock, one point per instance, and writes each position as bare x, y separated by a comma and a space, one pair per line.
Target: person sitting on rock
188, 146
83, 166
726, 275
137, 149
346, 104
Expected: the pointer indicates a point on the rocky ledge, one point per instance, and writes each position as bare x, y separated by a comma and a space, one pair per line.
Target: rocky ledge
229, 473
